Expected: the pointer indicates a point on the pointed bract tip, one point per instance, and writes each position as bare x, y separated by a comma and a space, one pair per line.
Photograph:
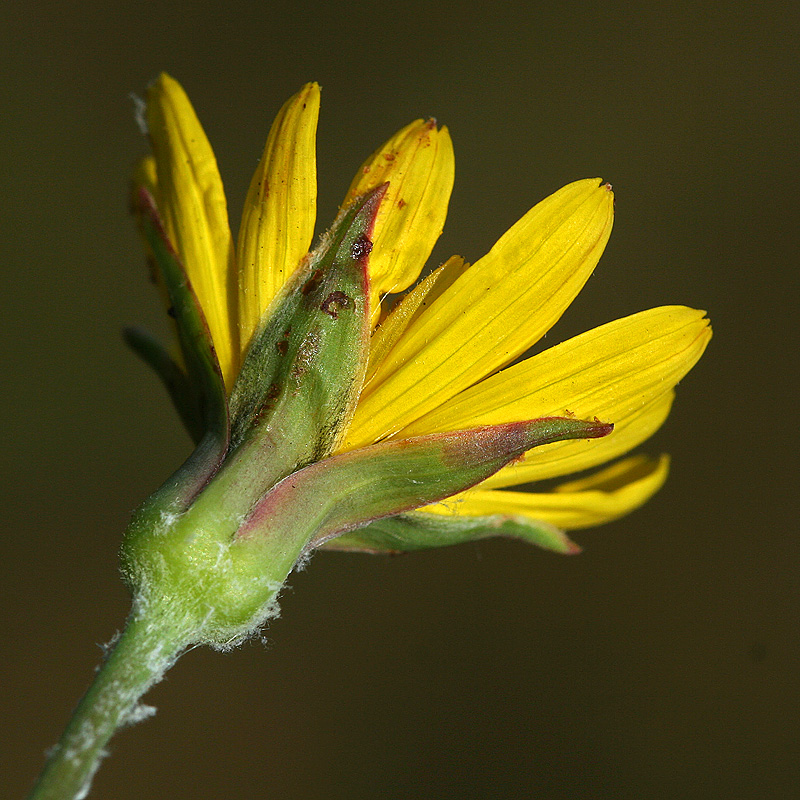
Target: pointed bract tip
367, 206
599, 429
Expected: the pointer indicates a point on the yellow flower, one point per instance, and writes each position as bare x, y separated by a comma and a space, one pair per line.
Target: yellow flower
443, 358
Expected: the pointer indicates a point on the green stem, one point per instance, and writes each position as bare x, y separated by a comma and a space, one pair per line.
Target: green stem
147, 648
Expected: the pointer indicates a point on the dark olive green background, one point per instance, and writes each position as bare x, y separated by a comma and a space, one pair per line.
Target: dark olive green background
661, 663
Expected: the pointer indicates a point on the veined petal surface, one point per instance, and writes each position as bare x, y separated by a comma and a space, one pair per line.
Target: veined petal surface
192, 203
605, 496
280, 211
397, 321
609, 372
419, 166
495, 311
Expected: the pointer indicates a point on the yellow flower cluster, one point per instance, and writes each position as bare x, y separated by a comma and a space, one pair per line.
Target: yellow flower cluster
439, 360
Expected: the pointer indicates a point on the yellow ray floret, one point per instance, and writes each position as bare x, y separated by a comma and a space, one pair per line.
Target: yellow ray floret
280, 211
605, 496
418, 163
192, 202
393, 326
439, 361
492, 313
609, 372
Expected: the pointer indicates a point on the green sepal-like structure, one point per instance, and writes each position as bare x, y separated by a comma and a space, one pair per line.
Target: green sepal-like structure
338, 495
178, 386
292, 400
302, 373
418, 530
206, 401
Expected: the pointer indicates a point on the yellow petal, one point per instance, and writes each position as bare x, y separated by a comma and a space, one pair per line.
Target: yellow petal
391, 329
494, 312
603, 497
566, 458
418, 163
280, 211
191, 199
608, 372
144, 175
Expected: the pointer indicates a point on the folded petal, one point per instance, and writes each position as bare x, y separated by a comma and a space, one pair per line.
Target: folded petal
495, 311
609, 372
611, 493
418, 163
191, 200
280, 211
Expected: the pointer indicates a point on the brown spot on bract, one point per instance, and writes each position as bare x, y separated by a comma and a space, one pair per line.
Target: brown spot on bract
267, 403
312, 282
306, 353
361, 247
282, 346
333, 302
401, 203
390, 156
273, 392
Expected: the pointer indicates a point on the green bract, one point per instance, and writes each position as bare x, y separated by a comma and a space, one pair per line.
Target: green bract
214, 545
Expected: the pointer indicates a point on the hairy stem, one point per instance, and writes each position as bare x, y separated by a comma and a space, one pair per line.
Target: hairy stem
147, 648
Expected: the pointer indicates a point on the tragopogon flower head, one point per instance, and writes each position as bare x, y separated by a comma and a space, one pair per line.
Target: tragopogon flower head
444, 358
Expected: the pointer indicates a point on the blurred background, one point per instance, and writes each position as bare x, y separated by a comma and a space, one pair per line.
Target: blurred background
660, 663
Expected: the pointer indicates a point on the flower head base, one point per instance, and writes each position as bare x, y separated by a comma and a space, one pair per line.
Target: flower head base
324, 419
